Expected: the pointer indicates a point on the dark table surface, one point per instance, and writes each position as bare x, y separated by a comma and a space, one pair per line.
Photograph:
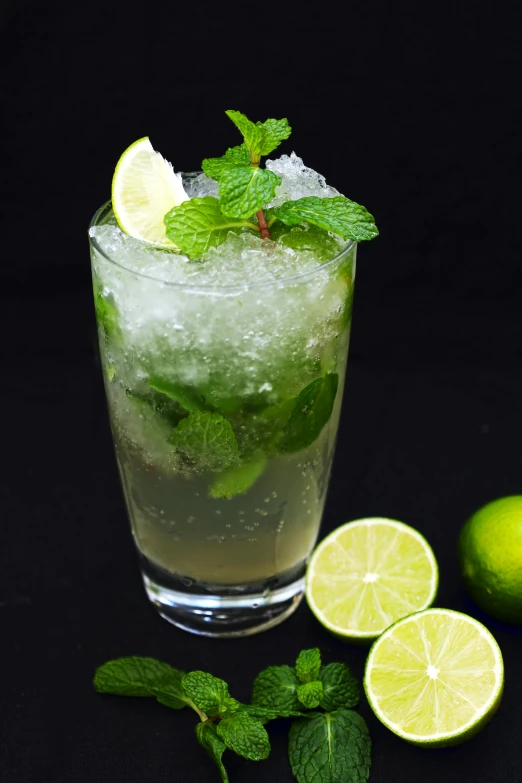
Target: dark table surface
431, 425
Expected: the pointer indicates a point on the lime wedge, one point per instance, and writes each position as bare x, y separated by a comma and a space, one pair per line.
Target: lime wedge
369, 573
435, 678
144, 189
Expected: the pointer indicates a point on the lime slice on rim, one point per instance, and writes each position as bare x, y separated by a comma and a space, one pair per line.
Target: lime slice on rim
369, 573
435, 678
144, 189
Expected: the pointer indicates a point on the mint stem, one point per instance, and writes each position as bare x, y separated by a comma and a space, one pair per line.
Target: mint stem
263, 225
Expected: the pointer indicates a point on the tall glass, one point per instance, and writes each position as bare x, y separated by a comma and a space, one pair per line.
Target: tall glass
224, 405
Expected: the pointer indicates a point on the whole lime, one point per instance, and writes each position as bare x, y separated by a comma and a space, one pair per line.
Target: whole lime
490, 550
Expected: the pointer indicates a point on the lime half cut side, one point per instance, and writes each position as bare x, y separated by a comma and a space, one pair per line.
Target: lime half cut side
369, 573
144, 189
435, 678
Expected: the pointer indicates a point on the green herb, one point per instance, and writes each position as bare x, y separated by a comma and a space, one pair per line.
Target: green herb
198, 224
142, 677
276, 687
308, 665
245, 735
235, 156
107, 315
207, 736
338, 214
312, 410
209, 693
244, 189
331, 747
237, 480
340, 688
310, 694
188, 400
206, 440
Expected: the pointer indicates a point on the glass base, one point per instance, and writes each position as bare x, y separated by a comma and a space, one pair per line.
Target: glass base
234, 614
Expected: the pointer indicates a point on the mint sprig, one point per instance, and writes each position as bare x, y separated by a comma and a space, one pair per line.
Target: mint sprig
206, 440
331, 747
244, 191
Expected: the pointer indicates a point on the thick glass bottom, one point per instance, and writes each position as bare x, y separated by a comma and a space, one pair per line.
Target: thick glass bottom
228, 613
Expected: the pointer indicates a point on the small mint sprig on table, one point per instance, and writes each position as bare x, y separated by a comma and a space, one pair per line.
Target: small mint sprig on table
324, 747
225, 723
245, 188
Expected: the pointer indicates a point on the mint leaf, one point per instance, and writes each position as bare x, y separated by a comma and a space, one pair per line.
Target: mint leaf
308, 665
136, 676
313, 408
245, 735
274, 132
237, 480
253, 134
276, 687
265, 714
333, 747
340, 687
208, 738
185, 397
207, 440
310, 694
213, 167
339, 214
244, 189
198, 224
306, 238
107, 315
209, 693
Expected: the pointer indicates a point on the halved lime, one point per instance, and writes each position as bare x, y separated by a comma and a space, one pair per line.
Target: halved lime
435, 678
144, 189
369, 573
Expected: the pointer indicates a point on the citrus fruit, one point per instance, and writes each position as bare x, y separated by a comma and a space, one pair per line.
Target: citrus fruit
369, 573
490, 549
435, 677
144, 189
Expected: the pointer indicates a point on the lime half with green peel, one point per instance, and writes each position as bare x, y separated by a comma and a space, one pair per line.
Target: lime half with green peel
435, 678
490, 550
369, 573
144, 189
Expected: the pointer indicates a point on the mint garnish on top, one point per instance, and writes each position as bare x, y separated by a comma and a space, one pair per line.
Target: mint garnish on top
245, 188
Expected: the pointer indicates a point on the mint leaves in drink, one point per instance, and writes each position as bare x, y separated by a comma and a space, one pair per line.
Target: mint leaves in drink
245, 189
313, 408
329, 747
206, 439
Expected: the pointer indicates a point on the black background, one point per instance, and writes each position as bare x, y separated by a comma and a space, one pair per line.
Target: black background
412, 109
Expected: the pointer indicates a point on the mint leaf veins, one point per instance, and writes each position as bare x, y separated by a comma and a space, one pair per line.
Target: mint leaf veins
135, 676
199, 223
235, 156
333, 747
207, 692
206, 439
340, 687
244, 189
310, 694
276, 688
308, 665
339, 214
245, 735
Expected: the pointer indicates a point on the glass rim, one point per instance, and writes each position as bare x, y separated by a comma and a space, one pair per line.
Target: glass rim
213, 288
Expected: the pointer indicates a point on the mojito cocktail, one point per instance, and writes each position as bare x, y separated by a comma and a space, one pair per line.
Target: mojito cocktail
224, 353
